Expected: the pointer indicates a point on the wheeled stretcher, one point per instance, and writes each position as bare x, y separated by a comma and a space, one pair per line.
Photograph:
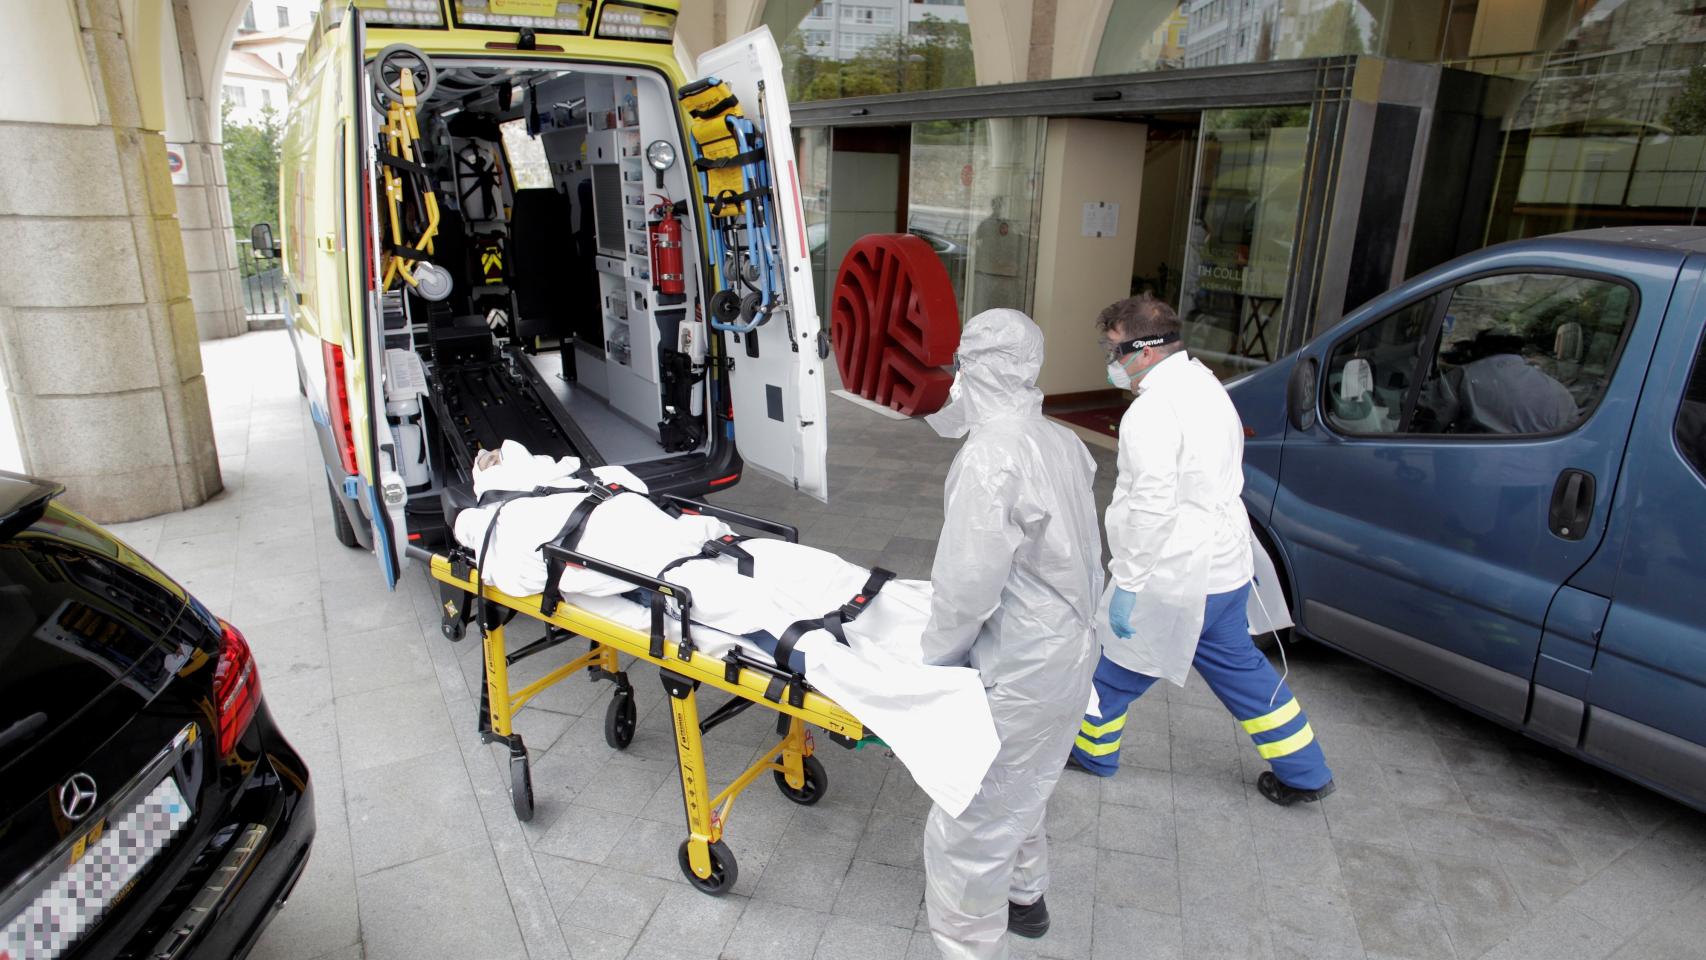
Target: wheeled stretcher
705, 860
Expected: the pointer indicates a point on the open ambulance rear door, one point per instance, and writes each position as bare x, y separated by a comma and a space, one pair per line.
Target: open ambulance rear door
382, 493
778, 394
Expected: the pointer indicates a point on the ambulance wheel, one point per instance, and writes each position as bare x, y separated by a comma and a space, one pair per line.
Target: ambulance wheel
521, 786
816, 785
392, 61
723, 869
749, 306
341, 527
725, 306
619, 720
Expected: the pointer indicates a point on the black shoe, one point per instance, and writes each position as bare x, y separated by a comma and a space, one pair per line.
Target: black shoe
1270, 786
1027, 921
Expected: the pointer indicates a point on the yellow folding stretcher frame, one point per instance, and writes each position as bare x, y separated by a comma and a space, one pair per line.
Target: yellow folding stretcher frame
705, 860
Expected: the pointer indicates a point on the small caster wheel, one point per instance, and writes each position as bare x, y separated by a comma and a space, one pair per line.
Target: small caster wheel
723, 869
521, 786
816, 785
725, 306
454, 630
620, 720
749, 306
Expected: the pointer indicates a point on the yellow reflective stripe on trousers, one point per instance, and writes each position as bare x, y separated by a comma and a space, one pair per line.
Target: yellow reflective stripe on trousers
1097, 749
1092, 730
1291, 744
1274, 720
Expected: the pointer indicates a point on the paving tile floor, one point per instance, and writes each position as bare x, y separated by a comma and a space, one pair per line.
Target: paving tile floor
1449, 837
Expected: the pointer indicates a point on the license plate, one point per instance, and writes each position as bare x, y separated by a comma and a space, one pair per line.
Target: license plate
111, 857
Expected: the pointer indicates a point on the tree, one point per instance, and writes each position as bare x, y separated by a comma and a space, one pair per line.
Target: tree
935, 55
1686, 115
251, 169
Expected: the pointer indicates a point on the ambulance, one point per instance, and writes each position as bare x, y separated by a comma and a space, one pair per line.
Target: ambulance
528, 220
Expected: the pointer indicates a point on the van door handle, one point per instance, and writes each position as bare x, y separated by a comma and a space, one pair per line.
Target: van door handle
1572, 504
327, 242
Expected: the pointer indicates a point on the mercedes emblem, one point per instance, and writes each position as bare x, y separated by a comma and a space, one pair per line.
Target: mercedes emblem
77, 797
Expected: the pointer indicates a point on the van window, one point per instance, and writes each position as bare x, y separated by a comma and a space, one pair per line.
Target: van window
528, 168
1523, 354
1691, 417
1370, 373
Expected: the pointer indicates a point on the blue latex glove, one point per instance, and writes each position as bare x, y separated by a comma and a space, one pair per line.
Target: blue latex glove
1119, 612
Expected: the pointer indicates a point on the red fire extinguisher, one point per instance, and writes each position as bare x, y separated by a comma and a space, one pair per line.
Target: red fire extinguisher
664, 231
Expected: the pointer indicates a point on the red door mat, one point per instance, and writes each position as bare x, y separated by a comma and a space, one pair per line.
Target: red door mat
1103, 420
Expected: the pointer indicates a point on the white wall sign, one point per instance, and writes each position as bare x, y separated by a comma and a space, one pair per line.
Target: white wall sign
1101, 219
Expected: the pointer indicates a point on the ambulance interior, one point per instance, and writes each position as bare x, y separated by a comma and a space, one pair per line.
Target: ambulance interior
555, 332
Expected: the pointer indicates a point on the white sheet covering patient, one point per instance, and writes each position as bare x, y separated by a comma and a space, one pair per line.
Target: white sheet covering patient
936, 719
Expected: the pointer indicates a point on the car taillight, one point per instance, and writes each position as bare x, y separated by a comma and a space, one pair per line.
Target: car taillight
236, 688
337, 402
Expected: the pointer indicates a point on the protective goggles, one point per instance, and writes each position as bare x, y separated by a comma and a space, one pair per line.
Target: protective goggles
1126, 348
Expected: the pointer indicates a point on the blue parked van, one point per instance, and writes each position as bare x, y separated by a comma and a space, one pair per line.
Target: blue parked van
1492, 481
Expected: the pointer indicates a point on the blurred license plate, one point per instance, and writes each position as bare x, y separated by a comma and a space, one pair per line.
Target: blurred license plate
111, 858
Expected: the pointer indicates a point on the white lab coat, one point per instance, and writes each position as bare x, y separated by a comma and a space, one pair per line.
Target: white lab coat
1177, 530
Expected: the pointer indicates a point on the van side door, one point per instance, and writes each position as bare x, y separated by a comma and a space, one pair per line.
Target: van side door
1647, 693
776, 383
1421, 506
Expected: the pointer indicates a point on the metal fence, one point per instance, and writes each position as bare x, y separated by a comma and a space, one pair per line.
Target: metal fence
263, 285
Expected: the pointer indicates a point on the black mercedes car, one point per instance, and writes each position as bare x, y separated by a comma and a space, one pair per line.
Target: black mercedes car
149, 808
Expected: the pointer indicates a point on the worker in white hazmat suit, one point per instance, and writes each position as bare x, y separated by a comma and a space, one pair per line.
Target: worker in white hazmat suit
1016, 580
1182, 564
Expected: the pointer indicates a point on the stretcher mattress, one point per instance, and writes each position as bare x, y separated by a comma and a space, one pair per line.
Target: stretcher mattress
935, 718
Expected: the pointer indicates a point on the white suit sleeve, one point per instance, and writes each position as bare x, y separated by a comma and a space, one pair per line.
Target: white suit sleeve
974, 555
1145, 507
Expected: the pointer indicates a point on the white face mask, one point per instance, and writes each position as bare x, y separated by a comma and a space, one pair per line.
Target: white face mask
1118, 377
950, 421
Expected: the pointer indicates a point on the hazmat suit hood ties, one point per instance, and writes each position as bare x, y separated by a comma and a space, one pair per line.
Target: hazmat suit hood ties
1000, 358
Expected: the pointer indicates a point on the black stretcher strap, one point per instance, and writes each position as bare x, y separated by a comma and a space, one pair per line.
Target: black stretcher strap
834, 622
402, 164
727, 546
704, 113
569, 538
722, 163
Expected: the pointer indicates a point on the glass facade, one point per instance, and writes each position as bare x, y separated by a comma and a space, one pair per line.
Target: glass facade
871, 47
974, 193
1238, 248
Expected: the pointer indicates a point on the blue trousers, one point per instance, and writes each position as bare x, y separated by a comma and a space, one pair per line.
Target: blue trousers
1243, 680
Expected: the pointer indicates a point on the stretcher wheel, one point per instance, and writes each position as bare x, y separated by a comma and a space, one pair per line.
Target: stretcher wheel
619, 720
391, 62
749, 305
816, 785
521, 786
723, 869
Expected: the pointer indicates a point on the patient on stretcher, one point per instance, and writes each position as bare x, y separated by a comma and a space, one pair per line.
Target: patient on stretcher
935, 718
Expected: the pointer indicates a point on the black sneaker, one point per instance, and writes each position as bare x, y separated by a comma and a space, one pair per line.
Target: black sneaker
1270, 786
1027, 921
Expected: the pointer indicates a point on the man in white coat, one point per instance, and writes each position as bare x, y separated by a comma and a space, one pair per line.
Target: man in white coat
1181, 562
1016, 581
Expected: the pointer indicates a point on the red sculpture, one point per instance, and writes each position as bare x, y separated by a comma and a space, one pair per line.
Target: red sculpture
895, 323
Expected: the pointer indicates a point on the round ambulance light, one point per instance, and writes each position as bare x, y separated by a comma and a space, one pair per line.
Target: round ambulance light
432, 282
661, 155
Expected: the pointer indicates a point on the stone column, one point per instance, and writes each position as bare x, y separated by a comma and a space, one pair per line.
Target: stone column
97, 331
204, 201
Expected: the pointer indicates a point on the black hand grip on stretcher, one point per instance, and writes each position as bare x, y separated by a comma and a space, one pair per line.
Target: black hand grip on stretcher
660, 589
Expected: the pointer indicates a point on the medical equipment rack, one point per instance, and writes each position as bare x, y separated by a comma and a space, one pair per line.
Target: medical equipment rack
704, 859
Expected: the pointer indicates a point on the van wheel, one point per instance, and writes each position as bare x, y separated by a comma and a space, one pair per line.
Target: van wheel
341, 527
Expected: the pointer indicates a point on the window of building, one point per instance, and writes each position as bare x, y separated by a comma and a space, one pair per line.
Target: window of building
866, 16
283, 16
822, 11
249, 17
815, 38
266, 97
1691, 417
235, 95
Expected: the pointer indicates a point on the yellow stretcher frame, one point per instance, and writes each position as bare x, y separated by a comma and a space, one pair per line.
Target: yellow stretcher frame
705, 860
